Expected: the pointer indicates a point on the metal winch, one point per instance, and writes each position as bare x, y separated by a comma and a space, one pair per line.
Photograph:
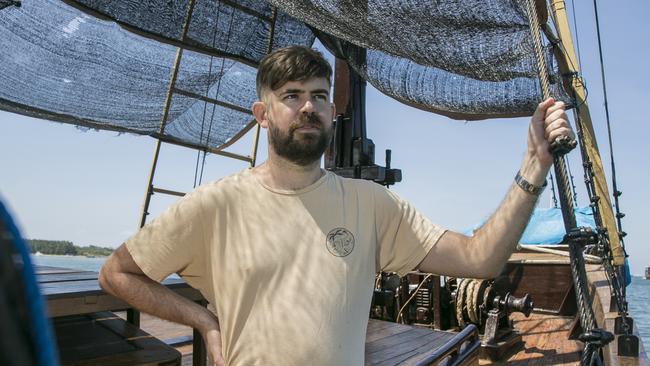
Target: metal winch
478, 302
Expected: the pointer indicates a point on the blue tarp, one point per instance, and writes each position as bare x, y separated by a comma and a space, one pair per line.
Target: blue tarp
546, 225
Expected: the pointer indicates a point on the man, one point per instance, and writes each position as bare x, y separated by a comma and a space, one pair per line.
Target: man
286, 252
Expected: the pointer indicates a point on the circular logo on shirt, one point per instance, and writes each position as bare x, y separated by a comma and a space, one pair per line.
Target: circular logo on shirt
340, 242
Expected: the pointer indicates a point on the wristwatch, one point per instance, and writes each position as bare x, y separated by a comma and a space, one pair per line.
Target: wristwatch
528, 187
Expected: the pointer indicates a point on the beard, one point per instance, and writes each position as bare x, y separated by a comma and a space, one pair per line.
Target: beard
300, 149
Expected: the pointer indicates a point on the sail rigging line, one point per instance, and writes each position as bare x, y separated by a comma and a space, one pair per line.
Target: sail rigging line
269, 48
554, 40
592, 336
553, 196
607, 246
616, 192
207, 91
575, 29
214, 108
613, 274
165, 113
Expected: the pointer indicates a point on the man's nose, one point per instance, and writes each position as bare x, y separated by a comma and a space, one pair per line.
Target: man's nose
308, 107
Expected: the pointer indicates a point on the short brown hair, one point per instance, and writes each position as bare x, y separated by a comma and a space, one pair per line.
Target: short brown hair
294, 63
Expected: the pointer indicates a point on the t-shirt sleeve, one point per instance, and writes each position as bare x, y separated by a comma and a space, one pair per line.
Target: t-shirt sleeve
404, 235
173, 242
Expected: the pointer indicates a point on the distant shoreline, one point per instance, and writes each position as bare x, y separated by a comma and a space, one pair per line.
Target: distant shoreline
38, 254
64, 247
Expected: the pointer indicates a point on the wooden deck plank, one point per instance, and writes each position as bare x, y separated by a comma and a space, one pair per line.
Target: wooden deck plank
66, 277
530, 256
377, 326
379, 330
48, 270
429, 344
159, 328
86, 287
403, 345
421, 340
78, 337
395, 341
545, 342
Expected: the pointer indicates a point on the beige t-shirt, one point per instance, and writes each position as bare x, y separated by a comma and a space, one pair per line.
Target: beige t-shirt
289, 274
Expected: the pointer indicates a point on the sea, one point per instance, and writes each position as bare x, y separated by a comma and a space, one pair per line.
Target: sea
638, 292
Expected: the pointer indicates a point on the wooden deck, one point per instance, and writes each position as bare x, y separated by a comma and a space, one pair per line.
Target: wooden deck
73, 292
545, 342
544, 336
386, 343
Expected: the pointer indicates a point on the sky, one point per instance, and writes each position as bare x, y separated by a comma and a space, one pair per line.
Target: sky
62, 183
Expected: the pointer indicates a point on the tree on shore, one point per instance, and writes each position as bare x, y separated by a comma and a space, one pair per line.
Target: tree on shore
64, 247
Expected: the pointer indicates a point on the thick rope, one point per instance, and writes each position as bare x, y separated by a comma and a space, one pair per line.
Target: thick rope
573, 186
583, 300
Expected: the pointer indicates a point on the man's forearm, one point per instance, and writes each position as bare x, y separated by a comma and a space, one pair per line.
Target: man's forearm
153, 298
497, 238
484, 254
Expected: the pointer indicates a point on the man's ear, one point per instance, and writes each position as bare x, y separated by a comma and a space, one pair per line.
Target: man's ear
259, 112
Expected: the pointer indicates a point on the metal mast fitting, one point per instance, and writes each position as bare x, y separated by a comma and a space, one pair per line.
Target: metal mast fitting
351, 153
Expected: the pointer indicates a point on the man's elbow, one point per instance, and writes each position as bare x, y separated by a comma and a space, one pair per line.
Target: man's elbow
489, 263
103, 279
106, 275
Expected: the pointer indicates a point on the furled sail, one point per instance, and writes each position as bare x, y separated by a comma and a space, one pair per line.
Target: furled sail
107, 65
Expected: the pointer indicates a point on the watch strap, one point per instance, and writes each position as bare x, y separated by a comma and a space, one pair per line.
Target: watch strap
529, 187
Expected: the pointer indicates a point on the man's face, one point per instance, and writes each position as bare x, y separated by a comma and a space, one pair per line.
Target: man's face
299, 118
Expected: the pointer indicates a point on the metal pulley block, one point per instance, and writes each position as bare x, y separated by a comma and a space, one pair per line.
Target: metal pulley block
581, 235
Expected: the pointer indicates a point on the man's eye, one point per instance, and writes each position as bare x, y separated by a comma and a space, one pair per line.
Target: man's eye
290, 96
321, 97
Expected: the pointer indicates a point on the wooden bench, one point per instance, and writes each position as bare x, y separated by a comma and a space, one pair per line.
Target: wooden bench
105, 339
